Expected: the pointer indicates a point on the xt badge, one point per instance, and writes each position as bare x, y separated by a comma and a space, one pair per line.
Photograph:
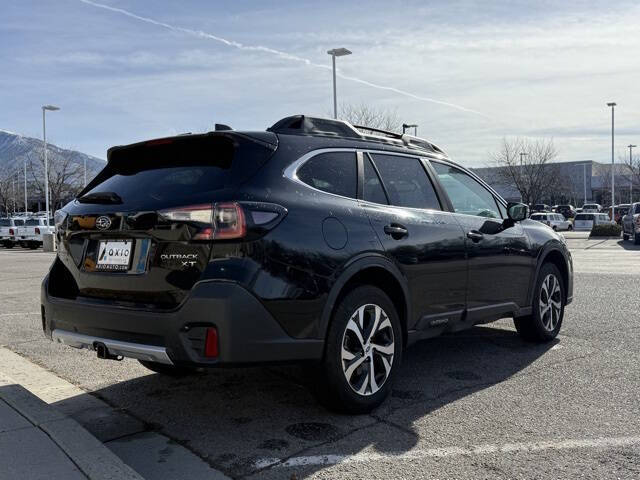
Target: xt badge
186, 259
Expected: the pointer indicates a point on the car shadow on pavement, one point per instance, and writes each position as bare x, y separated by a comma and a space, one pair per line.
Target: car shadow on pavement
243, 418
628, 245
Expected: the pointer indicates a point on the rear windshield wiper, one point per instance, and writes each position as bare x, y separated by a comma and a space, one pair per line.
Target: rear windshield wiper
107, 198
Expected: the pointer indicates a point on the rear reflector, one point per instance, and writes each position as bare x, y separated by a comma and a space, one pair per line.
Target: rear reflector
211, 343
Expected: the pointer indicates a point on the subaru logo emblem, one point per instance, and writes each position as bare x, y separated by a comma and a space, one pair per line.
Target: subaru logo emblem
103, 223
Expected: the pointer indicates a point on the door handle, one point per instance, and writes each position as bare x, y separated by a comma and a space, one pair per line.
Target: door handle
475, 236
396, 231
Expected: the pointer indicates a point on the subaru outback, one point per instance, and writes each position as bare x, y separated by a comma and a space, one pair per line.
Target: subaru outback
312, 241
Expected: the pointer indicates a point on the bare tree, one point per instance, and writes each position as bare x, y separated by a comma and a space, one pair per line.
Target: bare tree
66, 176
372, 117
533, 173
631, 172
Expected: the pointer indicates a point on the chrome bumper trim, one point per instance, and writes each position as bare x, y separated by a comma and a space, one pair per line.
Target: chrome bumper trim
139, 351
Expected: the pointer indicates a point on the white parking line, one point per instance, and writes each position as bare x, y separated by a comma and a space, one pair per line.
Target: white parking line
416, 454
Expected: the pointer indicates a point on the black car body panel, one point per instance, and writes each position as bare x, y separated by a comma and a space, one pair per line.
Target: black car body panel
271, 293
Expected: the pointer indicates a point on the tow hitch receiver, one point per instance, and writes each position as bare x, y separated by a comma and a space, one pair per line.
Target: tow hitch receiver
103, 352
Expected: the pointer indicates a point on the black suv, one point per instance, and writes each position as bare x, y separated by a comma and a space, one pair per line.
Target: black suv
311, 241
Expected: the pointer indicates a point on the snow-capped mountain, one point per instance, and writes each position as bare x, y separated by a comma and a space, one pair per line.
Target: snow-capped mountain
15, 147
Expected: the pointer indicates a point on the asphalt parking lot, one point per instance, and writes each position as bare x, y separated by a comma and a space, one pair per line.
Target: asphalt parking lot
479, 404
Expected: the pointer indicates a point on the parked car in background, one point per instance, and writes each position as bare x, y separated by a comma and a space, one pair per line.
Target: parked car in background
553, 220
620, 211
586, 221
33, 230
568, 211
8, 230
540, 207
631, 224
591, 208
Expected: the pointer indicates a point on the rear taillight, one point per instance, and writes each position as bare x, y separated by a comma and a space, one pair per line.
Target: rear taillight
211, 343
218, 221
37, 231
11, 232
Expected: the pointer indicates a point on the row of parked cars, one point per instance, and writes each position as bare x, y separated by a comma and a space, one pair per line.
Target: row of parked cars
567, 217
26, 230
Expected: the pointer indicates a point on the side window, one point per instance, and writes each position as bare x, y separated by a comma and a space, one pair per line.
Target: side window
406, 182
501, 208
332, 172
372, 189
467, 195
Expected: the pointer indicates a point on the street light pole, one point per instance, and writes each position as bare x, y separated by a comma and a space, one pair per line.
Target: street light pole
584, 179
613, 182
51, 108
631, 167
336, 52
25, 186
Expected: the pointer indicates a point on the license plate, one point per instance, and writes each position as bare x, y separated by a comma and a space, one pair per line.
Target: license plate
114, 255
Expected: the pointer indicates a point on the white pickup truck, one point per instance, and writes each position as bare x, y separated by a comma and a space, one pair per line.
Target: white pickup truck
30, 234
8, 231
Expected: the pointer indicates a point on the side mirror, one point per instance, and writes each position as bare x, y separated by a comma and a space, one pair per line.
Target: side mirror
517, 211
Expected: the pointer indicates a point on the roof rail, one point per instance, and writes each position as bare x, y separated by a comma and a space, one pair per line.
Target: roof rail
304, 125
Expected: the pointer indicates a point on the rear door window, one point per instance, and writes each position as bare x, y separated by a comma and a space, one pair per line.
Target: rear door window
331, 172
372, 190
406, 182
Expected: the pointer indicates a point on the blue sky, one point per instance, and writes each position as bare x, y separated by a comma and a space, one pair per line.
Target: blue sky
530, 68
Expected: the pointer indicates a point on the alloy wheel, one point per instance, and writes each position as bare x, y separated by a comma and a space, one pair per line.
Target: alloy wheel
550, 302
368, 349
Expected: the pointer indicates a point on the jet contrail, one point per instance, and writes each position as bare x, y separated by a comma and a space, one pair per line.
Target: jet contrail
278, 53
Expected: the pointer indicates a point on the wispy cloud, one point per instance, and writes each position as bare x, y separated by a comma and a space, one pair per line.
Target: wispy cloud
279, 53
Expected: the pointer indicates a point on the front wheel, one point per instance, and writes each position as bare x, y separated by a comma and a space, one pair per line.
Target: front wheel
547, 314
363, 352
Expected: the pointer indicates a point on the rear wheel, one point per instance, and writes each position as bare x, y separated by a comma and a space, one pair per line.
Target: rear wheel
169, 370
8, 244
545, 320
363, 352
570, 227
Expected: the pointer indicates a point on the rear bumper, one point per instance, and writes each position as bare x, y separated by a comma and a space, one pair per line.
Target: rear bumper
247, 333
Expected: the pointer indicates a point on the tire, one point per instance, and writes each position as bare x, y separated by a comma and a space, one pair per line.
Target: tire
636, 239
169, 370
569, 228
625, 237
555, 229
8, 245
33, 246
342, 386
545, 321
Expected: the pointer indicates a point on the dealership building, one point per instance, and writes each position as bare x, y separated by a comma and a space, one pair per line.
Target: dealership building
584, 181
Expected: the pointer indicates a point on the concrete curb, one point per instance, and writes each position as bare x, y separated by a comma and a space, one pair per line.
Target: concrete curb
90, 455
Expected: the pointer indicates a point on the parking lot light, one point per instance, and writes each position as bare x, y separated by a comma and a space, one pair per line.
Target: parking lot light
51, 108
631, 147
613, 182
336, 52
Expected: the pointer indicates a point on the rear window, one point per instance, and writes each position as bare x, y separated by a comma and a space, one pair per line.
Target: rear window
179, 170
18, 223
5, 222
32, 222
584, 216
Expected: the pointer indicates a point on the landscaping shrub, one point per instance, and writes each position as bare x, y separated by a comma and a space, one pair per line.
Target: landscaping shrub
606, 230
